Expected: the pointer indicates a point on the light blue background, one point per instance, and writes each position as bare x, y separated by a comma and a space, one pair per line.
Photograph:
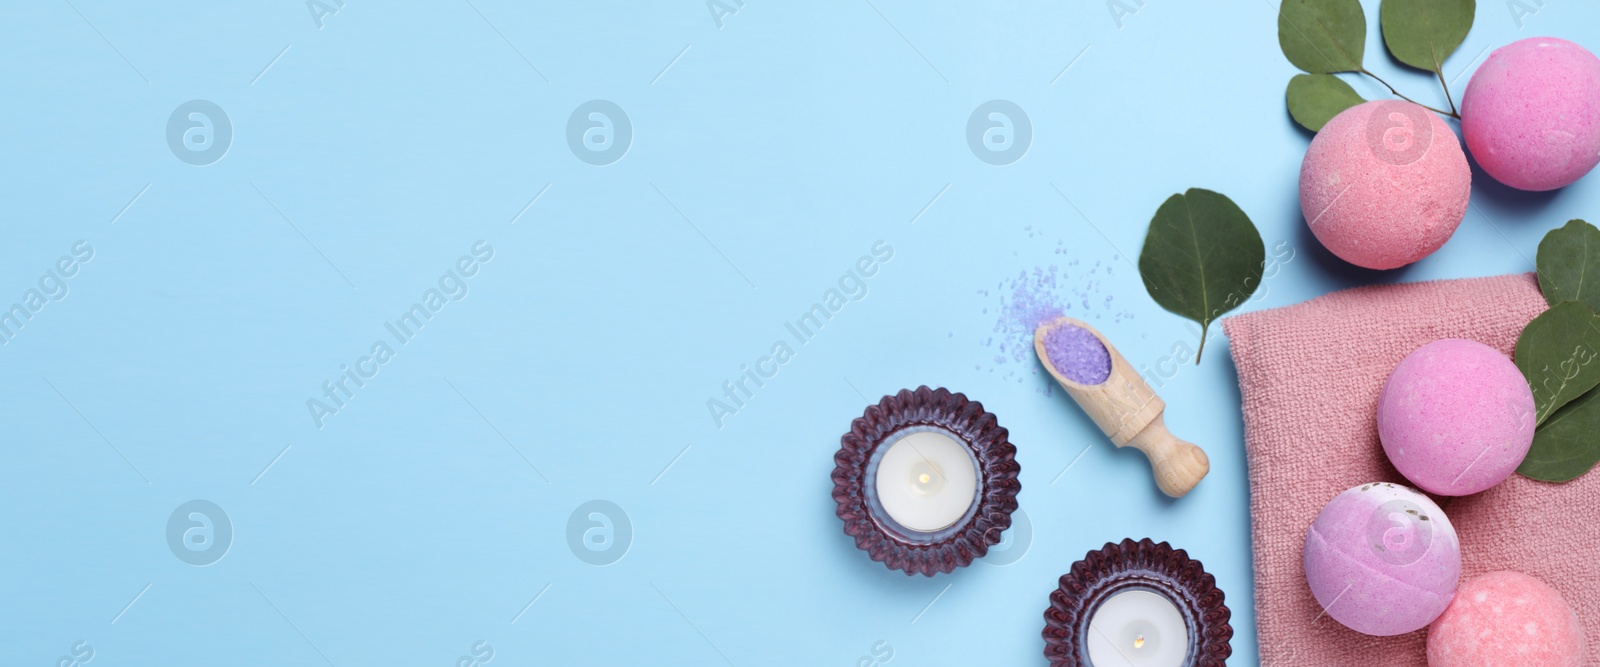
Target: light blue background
791, 139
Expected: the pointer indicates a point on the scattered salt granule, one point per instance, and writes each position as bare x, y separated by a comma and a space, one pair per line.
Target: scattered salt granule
1033, 297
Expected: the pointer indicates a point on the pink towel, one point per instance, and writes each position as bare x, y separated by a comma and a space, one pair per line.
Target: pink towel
1309, 377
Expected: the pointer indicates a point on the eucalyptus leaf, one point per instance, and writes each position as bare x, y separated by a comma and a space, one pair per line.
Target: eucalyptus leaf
1568, 444
1422, 33
1314, 99
1556, 353
1569, 264
1202, 257
1323, 36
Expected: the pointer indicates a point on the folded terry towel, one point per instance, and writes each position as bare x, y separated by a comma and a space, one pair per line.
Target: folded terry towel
1309, 377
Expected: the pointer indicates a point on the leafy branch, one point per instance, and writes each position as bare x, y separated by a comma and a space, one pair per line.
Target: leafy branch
1328, 37
1557, 352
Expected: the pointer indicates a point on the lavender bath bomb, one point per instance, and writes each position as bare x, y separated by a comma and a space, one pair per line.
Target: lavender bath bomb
1382, 559
1506, 618
1531, 114
1384, 184
1456, 417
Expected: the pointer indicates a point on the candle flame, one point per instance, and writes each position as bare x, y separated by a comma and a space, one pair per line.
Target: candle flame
926, 479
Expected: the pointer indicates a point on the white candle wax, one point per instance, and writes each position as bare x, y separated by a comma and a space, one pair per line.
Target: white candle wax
927, 481
1137, 629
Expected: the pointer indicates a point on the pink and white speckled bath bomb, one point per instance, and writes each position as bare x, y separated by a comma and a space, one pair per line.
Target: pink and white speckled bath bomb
1382, 559
1384, 184
1506, 618
1531, 114
1456, 417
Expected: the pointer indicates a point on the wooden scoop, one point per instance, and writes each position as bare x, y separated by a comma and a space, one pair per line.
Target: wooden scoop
1129, 412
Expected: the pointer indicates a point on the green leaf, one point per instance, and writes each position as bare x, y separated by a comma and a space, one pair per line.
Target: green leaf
1323, 36
1556, 353
1202, 257
1314, 99
1567, 445
1422, 33
1569, 264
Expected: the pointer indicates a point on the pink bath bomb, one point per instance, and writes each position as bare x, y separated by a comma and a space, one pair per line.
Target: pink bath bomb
1456, 417
1531, 114
1384, 184
1382, 559
1506, 618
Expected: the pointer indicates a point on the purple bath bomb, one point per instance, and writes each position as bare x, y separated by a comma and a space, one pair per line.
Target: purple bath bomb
1384, 184
1456, 417
1382, 559
1531, 114
1507, 618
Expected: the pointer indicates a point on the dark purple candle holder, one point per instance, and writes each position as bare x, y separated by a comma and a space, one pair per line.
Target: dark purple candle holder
1142, 565
855, 486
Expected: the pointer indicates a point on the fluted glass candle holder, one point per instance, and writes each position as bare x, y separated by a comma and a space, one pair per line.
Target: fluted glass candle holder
925, 481
1137, 603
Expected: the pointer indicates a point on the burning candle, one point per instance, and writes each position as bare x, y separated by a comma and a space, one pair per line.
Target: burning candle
1137, 628
1137, 604
927, 480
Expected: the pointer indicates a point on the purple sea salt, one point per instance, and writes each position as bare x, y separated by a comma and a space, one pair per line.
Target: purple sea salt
1077, 354
1031, 297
